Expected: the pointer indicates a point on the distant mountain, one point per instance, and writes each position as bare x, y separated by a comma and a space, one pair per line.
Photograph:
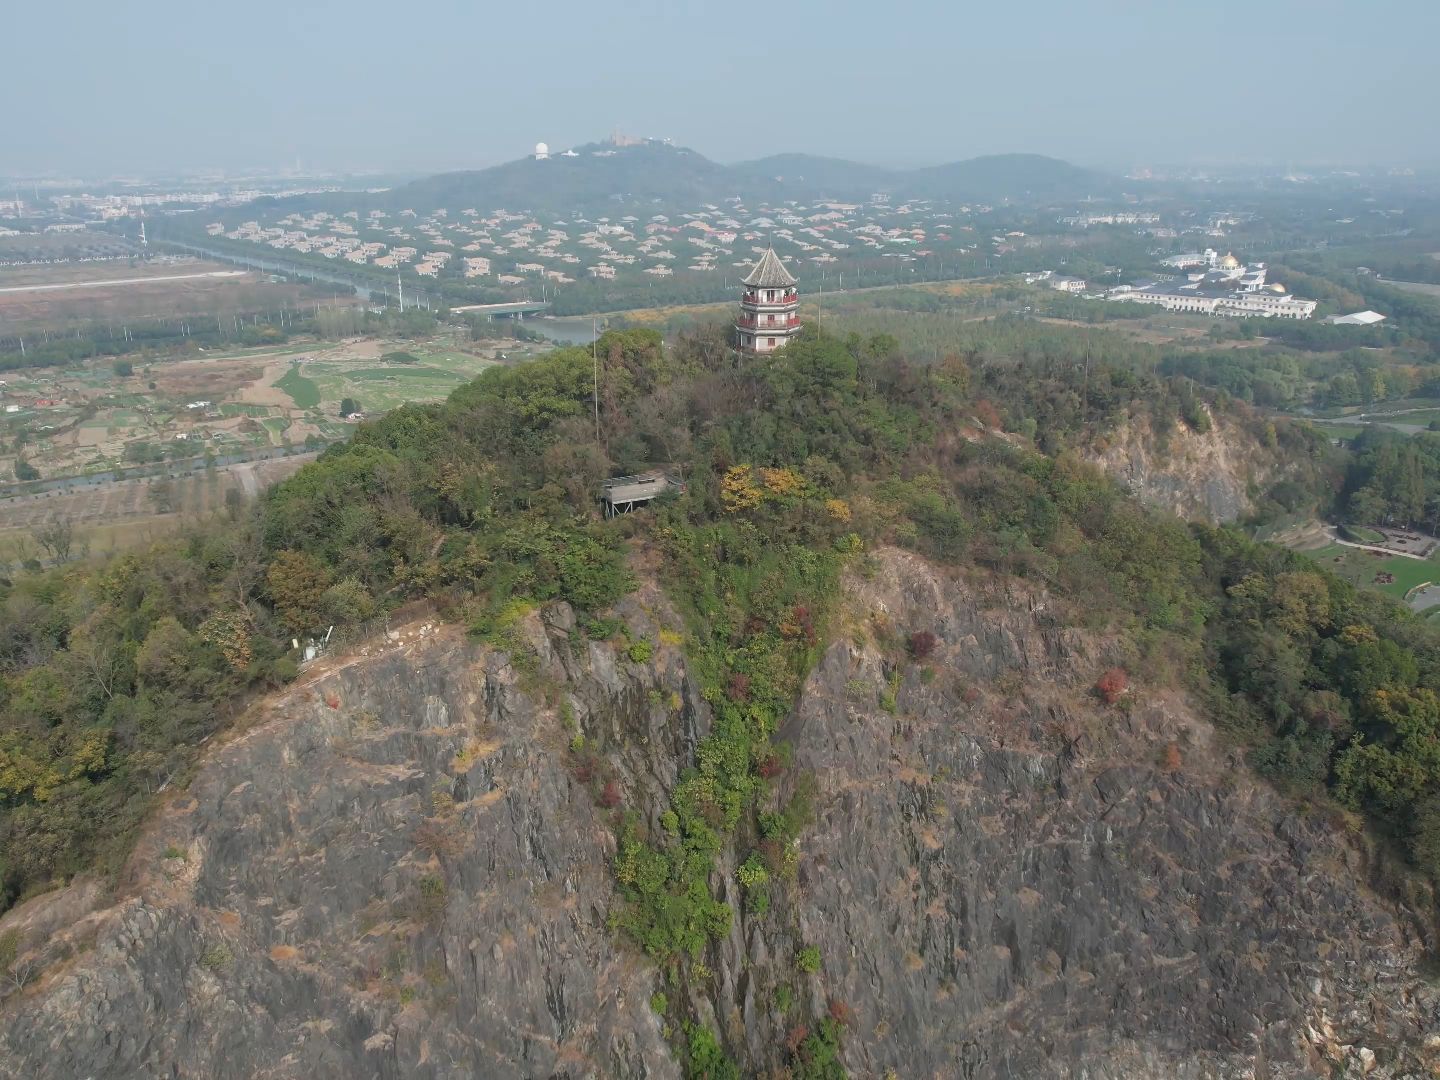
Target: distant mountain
597, 175
809, 175
1017, 177
601, 176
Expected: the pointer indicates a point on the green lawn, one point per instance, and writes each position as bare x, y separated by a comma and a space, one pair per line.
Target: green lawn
302, 391
275, 426
1360, 567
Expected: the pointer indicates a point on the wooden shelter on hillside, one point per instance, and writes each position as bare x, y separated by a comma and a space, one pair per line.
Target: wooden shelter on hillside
622, 494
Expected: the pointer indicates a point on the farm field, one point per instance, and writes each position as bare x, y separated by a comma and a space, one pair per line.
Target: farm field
124, 291
87, 419
129, 512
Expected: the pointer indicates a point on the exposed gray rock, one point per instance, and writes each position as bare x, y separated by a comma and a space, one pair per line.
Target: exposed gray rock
394, 872
1206, 477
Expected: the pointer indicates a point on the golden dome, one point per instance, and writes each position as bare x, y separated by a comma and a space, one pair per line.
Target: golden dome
1275, 287
1229, 262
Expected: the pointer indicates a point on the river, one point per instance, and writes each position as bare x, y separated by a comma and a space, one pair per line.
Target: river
569, 329
272, 266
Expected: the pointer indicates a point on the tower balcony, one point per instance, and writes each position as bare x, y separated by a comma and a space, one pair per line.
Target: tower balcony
781, 323
757, 299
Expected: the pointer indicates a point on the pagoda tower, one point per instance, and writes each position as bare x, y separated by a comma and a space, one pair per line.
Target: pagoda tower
769, 306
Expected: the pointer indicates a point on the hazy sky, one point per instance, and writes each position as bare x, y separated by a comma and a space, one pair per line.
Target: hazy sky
97, 87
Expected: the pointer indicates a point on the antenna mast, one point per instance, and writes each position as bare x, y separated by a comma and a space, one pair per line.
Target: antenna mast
595, 364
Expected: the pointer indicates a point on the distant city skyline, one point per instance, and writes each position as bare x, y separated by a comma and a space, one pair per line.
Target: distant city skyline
162, 86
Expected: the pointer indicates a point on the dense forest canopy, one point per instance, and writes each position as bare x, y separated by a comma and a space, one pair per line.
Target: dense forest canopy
112, 673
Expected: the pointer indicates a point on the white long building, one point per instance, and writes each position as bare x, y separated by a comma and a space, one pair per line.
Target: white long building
1265, 305
1225, 287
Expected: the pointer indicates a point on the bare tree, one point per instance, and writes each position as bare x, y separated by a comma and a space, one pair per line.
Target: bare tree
57, 537
18, 968
97, 658
162, 495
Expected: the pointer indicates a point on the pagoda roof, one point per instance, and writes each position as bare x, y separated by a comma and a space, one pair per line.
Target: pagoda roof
769, 272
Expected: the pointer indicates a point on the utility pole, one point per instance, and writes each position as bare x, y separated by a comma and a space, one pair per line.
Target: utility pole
595, 364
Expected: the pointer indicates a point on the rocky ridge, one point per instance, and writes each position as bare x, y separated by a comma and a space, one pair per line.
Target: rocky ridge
396, 870
1207, 476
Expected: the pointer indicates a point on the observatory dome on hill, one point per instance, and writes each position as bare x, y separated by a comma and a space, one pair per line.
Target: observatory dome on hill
542, 151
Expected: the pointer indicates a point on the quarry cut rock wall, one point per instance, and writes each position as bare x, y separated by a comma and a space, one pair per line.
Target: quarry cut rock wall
396, 870
1205, 476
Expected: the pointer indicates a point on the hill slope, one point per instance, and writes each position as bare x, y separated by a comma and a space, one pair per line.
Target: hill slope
806, 175
603, 177
395, 872
910, 762
1016, 177
596, 177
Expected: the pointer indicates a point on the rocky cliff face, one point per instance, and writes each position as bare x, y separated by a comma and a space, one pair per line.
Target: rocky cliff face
1205, 477
396, 872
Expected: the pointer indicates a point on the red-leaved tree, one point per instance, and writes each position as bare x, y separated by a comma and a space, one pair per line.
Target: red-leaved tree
1112, 685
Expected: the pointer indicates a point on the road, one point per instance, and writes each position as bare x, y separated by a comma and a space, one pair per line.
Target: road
120, 281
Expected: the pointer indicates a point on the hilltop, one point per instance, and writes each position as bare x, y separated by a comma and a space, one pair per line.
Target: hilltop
900, 737
805, 175
1016, 177
600, 176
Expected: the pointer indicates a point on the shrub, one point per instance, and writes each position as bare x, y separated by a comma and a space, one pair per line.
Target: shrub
640, 651
1112, 685
817, 1056
432, 898
610, 795
659, 1002
706, 1060
808, 959
215, 958
602, 629
1171, 761
921, 644
752, 872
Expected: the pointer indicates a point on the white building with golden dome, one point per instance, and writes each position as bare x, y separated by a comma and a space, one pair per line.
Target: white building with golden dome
1225, 286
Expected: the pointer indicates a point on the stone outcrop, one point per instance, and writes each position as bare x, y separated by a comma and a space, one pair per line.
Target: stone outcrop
1202, 477
395, 871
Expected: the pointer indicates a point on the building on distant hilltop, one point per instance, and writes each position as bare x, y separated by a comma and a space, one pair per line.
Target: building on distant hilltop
1067, 284
769, 306
541, 151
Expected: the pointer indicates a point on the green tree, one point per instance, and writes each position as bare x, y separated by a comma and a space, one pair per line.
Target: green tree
296, 582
